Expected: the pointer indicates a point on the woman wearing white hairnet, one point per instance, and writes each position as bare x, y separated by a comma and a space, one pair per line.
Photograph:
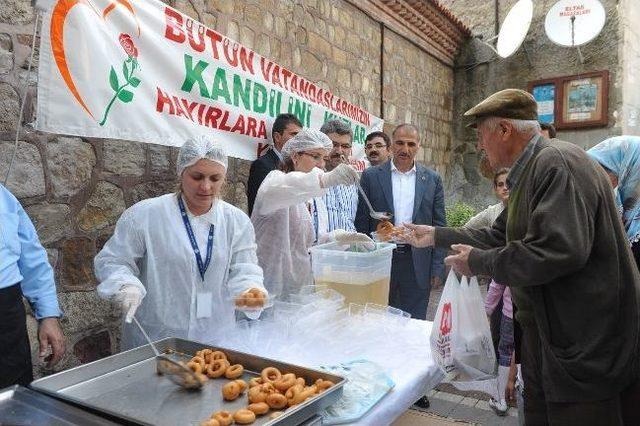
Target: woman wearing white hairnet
286, 221
178, 260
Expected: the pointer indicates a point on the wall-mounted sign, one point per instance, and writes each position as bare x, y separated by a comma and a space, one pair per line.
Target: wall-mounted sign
585, 100
545, 96
573, 101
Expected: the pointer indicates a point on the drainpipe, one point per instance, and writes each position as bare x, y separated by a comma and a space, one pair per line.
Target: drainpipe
496, 11
382, 70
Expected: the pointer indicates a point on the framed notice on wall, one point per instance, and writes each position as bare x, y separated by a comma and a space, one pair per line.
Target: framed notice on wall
545, 95
573, 101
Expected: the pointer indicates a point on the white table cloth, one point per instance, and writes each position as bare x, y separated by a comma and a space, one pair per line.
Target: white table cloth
413, 378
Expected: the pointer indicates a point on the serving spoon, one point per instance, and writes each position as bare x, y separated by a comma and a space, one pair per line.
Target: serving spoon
176, 372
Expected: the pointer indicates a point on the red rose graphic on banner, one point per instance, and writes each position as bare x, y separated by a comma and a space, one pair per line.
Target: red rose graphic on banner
129, 66
128, 46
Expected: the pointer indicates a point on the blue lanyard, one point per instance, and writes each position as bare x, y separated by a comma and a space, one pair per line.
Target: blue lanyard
194, 244
316, 223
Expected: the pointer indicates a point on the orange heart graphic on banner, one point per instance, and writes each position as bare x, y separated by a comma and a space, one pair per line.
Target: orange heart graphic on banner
58, 18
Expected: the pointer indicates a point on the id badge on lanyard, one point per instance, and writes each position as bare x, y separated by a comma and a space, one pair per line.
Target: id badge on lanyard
203, 304
203, 298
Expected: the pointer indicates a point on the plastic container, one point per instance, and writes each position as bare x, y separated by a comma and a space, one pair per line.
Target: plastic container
361, 277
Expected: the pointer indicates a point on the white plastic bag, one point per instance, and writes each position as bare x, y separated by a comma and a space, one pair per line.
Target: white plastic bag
461, 340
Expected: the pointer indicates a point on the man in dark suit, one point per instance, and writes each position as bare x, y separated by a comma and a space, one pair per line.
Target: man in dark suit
284, 128
413, 194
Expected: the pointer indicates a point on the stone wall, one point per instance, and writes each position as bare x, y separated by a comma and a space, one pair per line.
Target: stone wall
629, 52
418, 89
74, 189
480, 72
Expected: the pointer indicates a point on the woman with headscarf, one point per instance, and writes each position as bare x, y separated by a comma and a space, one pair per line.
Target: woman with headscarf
287, 214
620, 158
178, 261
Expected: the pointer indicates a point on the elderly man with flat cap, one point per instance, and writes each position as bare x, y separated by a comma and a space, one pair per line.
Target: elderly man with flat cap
561, 247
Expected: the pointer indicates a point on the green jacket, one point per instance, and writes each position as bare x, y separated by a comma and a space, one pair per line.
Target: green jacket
561, 248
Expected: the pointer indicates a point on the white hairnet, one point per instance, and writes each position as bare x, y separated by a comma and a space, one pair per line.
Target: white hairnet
198, 148
305, 140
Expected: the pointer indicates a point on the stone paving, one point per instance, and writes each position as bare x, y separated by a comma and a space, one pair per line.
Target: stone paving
469, 409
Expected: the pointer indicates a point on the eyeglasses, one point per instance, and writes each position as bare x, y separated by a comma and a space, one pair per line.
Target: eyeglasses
316, 157
376, 145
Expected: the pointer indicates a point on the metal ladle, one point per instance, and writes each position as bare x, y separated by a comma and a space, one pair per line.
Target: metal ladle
374, 214
176, 372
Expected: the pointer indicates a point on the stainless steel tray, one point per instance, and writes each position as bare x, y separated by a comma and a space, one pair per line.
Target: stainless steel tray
126, 385
22, 406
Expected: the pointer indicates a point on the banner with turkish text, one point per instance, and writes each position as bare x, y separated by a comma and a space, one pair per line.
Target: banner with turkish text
142, 71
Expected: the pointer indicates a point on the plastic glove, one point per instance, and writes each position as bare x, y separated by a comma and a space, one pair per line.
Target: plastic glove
341, 175
130, 297
345, 237
329, 237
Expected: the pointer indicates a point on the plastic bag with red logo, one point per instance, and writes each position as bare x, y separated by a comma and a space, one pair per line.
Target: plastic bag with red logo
460, 339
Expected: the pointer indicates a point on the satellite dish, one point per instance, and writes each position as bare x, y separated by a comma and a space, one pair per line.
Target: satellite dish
514, 28
573, 23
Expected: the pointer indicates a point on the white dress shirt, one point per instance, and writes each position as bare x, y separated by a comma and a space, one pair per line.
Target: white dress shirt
278, 153
403, 187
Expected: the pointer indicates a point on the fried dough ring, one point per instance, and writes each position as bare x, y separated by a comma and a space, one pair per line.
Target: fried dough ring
241, 384
218, 355
285, 382
323, 385
271, 374
210, 422
276, 401
196, 367
252, 298
231, 391
256, 381
200, 360
234, 371
217, 368
384, 226
256, 395
259, 408
223, 417
244, 416
292, 394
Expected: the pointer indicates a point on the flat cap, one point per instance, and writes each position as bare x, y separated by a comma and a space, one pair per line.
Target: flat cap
507, 103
